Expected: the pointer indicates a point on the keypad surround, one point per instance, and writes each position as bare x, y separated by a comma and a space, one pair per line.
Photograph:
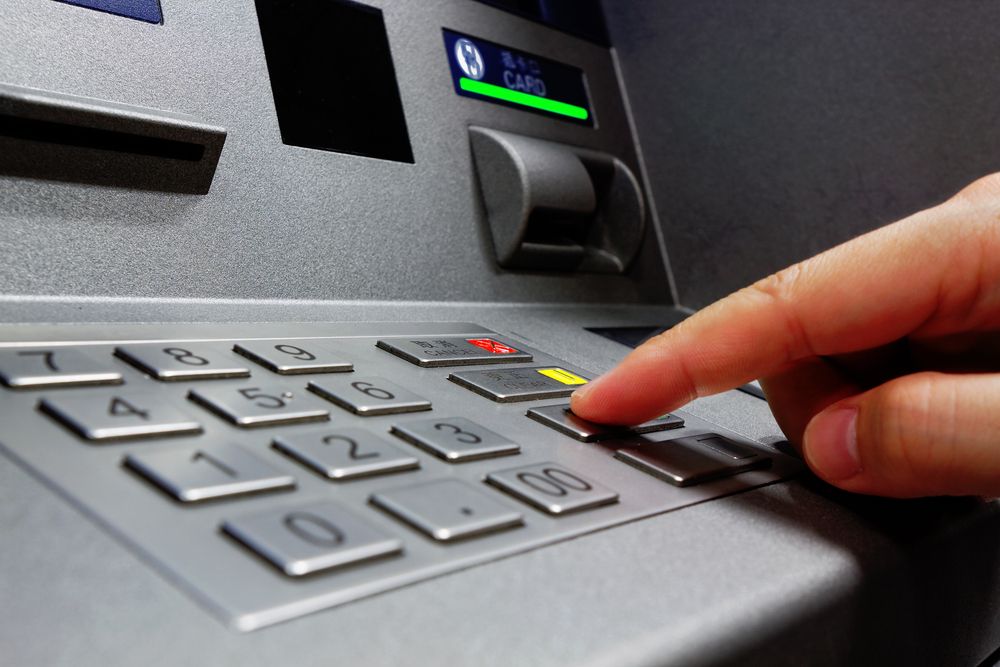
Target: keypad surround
248, 590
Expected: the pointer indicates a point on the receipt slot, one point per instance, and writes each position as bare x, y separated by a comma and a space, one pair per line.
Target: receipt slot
557, 207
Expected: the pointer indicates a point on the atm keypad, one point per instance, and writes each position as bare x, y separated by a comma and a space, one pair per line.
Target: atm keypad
284, 475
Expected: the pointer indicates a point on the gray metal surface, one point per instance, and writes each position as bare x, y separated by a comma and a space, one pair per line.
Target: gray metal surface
224, 462
105, 143
281, 221
833, 579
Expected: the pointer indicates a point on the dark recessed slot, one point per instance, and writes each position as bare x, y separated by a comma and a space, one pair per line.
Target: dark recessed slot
53, 136
554, 227
332, 77
50, 132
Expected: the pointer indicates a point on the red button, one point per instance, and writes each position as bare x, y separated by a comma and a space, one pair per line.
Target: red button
492, 346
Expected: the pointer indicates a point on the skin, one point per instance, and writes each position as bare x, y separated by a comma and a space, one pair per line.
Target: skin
880, 358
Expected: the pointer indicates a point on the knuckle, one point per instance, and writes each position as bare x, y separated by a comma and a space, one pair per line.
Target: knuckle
983, 188
779, 291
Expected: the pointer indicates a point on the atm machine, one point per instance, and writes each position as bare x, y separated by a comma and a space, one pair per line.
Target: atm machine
294, 293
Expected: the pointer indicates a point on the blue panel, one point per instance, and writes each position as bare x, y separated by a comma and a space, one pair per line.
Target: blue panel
144, 10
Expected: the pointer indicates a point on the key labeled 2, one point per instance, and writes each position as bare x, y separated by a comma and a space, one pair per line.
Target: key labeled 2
344, 453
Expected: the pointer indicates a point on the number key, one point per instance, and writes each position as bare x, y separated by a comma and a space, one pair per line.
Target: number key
293, 357
55, 367
342, 454
447, 510
118, 416
214, 471
265, 405
311, 538
171, 362
369, 396
455, 439
552, 488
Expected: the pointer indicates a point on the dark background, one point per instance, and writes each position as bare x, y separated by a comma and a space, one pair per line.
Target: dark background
773, 129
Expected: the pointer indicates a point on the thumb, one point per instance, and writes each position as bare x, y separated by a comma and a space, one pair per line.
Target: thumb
918, 435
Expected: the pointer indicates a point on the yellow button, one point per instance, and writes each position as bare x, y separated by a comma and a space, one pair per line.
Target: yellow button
562, 375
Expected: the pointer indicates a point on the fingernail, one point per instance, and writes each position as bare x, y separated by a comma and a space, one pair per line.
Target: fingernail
831, 444
584, 390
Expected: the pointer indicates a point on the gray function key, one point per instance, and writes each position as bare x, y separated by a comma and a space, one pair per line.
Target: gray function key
506, 385
693, 459
448, 510
369, 396
311, 538
119, 415
344, 453
183, 361
264, 405
192, 474
23, 368
563, 420
454, 351
293, 357
455, 439
552, 488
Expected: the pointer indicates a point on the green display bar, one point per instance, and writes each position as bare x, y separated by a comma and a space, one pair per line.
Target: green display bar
524, 99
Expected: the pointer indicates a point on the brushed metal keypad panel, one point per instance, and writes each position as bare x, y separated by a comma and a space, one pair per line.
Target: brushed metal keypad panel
220, 512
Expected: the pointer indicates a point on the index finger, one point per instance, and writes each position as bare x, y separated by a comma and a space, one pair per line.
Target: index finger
923, 274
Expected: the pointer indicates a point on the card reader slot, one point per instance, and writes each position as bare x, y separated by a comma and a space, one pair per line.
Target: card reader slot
557, 207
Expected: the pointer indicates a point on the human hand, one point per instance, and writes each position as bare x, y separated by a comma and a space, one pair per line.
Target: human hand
879, 357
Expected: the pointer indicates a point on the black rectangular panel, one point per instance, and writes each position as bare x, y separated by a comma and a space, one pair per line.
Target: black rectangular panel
491, 72
332, 77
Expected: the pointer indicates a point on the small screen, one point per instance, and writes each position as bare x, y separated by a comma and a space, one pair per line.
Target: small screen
332, 77
495, 73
